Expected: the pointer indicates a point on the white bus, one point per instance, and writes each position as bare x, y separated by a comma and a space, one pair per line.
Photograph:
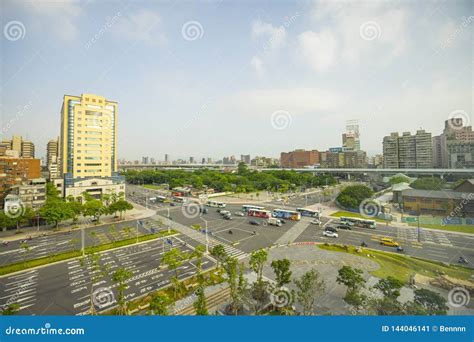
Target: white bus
246, 207
287, 214
215, 204
308, 212
359, 222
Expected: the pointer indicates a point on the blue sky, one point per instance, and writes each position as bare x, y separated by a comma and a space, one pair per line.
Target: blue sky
216, 78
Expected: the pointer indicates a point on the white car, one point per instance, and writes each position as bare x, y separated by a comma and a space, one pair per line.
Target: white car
316, 221
239, 213
330, 234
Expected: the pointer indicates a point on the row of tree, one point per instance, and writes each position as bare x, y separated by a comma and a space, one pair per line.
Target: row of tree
56, 209
244, 180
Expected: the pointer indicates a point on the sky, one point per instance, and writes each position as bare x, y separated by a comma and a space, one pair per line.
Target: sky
216, 78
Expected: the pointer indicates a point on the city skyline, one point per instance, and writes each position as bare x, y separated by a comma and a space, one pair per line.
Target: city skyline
293, 82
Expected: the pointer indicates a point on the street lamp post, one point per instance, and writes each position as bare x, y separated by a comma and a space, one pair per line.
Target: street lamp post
82, 241
207, 236
169, 221
137, 232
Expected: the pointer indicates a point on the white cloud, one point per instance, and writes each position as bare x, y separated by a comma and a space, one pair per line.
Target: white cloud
274, 37
143, 25
341, 34
257, 64
318, 50
60, 16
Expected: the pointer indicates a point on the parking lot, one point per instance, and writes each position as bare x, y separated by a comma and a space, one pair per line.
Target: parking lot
65, 288
55, 243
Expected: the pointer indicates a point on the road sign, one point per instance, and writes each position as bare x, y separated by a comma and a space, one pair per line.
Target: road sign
411, 219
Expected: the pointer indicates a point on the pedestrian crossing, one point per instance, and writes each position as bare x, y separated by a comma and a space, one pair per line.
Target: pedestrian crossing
425, 236
201, 238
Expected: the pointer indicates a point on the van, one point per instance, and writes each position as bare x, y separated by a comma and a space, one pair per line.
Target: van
274, 222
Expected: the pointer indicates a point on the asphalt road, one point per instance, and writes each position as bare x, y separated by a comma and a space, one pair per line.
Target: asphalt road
433, 245
65, 288
55, 243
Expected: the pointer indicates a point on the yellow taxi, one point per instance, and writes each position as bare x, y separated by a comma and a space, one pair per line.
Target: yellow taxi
389, 242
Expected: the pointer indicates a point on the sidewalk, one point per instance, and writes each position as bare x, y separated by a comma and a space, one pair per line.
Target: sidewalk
138, 212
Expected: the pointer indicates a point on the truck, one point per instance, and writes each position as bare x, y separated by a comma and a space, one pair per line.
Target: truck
273, 221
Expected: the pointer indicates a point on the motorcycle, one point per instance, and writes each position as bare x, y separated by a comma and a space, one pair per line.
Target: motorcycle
363, 244
461, 260
230, 232
5, 243
399, 249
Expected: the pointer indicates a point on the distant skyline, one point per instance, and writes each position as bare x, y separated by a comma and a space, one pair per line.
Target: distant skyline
218, 78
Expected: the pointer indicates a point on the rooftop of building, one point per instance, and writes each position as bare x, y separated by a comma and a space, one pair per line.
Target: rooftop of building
442, 194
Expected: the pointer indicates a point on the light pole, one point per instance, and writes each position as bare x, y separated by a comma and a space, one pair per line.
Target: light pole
169, 221
82, 241
207, 237
137, 232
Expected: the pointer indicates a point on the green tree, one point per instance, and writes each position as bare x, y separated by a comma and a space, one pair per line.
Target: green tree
219, 253
390, 287
75, 207
308, 288
281, 268
200, 305
259, 288
122, 206
91, 262
242, 168
237, 283
399, 179
353, 195
431, 301
257, 261
93, 208
26, 250
174, 259
54, 211
428, 183
352, 278
160, 304
11, 309
120, 277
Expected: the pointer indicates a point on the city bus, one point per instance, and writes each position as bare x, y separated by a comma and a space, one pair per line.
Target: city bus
358, 222
215, 204
259, 213
308, 212
287, 214
157, 199
179, 199
246, 207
